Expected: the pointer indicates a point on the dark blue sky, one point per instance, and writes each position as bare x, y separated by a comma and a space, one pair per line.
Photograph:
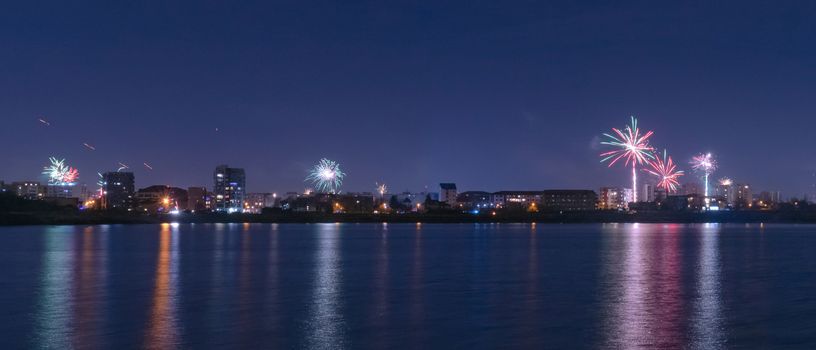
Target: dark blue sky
488, 95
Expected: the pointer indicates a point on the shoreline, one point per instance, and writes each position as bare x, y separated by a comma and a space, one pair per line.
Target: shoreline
97, 218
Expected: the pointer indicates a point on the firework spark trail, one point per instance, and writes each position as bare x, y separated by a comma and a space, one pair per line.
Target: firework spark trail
665, 169
706, 164
41, 120
326, 176
632, 146
88, 146
148, 166
122, 166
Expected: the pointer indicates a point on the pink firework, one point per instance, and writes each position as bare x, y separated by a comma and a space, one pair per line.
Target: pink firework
665, 169
632, 146
71, 175
706, 164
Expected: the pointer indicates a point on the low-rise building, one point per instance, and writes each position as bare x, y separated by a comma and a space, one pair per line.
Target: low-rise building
28, 189
474, 200
615, 198
255, 202
569, 200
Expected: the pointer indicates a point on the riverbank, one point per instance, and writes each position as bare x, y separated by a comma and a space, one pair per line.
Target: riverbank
98, 218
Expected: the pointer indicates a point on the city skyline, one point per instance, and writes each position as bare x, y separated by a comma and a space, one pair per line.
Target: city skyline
488, 106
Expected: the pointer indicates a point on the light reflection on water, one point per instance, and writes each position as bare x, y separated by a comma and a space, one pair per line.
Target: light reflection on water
163, 322
707, 306
55, 297
350, 286
646, 301
325, 320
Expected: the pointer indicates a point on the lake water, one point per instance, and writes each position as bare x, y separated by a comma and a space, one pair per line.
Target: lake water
380, 286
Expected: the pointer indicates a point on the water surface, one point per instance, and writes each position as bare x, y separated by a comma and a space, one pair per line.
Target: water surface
408, 286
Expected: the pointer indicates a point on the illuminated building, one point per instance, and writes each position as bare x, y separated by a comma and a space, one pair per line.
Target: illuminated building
229, 189
614, 198
569, 200
520, 199
726, 190
742, 196
255, 202
28, 189
68, 191
474, 200
119, 190
448, 193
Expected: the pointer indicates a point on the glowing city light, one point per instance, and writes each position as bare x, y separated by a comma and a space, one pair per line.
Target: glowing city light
60, 174
666, 171
706, 164
326, 176
632, 146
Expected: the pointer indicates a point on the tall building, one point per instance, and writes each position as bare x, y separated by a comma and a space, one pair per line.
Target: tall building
726, 190
743, 196
448, 193
614, 198
120, 190
230, 189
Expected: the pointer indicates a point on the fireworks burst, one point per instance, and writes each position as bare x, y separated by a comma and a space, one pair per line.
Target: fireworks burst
706, 164
381, 189
726, 182
632, 146
665, 169
60, 174
326, 176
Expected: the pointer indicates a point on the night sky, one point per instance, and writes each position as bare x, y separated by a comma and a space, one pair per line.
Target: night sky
484, 94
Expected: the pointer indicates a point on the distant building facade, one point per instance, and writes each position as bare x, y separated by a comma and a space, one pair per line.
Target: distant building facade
569, 200
614, 198
474, 199
229, 189
743, 196
255, 202
78, 191
28, 189
120, 190
448, 193
646, 193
